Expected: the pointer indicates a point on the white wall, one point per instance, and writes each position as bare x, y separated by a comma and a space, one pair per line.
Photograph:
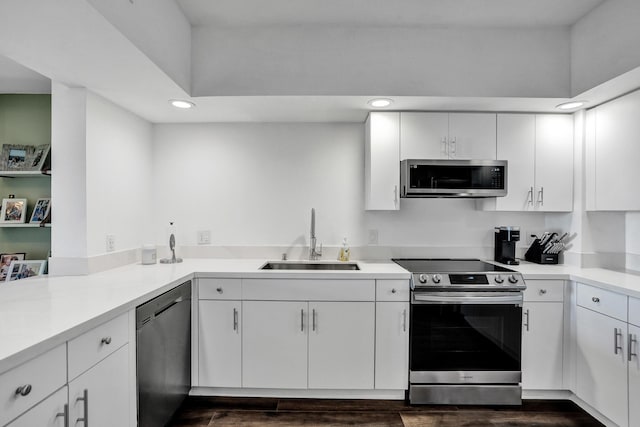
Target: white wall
254, 185
604, 44
633, 240
320, 60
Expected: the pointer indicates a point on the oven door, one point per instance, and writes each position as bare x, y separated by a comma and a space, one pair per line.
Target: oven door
466, 337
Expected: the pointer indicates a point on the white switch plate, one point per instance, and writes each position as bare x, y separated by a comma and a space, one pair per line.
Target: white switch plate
204, 237
111, 243
373, 237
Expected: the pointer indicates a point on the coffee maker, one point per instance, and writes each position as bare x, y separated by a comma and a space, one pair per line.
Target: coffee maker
505, 245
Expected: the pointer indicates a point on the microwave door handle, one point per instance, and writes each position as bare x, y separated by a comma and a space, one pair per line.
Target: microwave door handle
444, 299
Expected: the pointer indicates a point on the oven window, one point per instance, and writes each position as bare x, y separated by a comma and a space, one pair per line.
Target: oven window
461, 337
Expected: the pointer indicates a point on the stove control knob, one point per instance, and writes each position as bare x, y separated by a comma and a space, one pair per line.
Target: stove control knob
499, 279
513, 279
423, 278
437, 278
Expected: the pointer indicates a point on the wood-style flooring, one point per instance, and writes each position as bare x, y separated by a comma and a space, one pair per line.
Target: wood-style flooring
267, 412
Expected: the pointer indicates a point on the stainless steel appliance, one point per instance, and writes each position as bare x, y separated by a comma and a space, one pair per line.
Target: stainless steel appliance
505, 239
163, 345
465, 332
453, 178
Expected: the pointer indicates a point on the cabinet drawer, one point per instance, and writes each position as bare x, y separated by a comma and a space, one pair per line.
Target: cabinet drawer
392, 290
308, 290
96, 344
220, 289
38, 378
634, 311
544, 290
603, 301
45, 413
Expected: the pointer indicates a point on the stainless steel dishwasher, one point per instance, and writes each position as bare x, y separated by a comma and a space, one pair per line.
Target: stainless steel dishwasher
163, 355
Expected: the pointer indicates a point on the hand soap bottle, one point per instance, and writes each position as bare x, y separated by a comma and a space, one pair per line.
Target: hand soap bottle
344, 251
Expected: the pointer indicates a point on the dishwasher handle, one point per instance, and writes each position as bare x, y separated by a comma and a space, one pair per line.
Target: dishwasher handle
148, 311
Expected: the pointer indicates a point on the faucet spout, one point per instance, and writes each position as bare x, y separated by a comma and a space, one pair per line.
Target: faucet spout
314, 253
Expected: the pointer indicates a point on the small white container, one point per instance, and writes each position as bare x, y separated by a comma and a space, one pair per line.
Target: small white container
149, 255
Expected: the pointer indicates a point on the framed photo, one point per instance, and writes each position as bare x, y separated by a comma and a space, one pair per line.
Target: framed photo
36, 159
5, 262
40, 211
24, 157
13, 210
23, 269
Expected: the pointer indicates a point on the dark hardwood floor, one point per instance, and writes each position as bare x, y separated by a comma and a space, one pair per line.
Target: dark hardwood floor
266, 412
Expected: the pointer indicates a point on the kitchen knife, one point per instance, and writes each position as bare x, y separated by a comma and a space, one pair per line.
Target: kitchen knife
543, 238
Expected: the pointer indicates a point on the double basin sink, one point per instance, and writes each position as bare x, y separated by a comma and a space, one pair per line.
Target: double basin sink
310, 265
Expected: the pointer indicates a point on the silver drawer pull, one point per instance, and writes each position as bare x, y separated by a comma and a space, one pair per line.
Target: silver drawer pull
632, 342
106, 340
393, 291
543, 291
219, 290
23, 390
616, 347
595, 299
85, 400
64, 414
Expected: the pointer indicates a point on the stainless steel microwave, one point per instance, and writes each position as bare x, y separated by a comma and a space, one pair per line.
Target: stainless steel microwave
453, 178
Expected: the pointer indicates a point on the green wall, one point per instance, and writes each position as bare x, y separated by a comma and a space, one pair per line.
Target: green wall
25, 119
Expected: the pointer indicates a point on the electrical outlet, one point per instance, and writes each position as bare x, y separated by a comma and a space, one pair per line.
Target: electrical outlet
111, 243
373, 237
204, 237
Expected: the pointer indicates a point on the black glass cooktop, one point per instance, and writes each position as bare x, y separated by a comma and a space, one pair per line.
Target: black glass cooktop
427, 265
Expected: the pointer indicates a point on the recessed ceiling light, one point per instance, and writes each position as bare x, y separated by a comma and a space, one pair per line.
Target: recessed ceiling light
179, 103
571, 105
380, 102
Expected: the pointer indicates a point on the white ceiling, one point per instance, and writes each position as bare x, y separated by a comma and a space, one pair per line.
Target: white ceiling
485, 13
15, 78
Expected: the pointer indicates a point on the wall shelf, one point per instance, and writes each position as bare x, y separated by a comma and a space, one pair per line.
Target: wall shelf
23, 225
24, 174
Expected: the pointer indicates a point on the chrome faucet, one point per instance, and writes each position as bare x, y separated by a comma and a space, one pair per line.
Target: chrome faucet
313, 252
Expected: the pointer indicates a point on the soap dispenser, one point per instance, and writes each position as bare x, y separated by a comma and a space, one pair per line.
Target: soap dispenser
344, 251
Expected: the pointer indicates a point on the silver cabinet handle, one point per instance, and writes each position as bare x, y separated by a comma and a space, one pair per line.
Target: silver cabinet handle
616, 347
632, 341
219, 290
301, 320
542, 291
530, 196
395, 194
313, 319
393, 290
85, 400
595, 299
404, 320
541, 196
235, 319
444, 146
23, 390
452, 149
106, 340
64, 414
526, 324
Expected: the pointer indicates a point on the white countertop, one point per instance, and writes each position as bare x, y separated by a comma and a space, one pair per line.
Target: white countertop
39, 313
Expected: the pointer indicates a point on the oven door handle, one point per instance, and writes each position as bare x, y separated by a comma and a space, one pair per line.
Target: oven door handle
419, 298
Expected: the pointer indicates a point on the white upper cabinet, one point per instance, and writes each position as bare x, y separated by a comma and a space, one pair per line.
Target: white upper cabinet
447, 136
382, 161
612, 154
539, 151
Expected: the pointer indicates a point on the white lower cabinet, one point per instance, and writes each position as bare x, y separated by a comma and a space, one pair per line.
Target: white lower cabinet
274, 344
633, 350
542, 344
100, 396
220, 344
51, 412
601, 371
392, 345
341, 345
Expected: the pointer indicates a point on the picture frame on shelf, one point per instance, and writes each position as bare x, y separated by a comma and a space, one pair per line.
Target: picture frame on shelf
13, 211
40, 211
37, 158
24, 269
5, 262
15, 157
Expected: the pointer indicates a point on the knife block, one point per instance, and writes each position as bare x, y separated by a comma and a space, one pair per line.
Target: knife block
534, 254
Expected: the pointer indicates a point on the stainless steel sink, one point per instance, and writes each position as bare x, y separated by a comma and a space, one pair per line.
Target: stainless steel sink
310, 266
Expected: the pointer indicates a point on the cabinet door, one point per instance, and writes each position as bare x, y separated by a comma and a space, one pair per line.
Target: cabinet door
554, 162
516, 144
107, 387
634, 375
392, 345
601, 370
48, 413
341, 345
274, 344
220, 344
617, 153
472, 136
424, 135
382, 161
542, 343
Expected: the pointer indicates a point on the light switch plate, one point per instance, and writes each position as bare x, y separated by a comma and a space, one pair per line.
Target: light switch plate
111, 243
204, 237
373, 237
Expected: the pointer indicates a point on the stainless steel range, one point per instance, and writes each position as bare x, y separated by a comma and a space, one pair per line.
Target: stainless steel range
465, 332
